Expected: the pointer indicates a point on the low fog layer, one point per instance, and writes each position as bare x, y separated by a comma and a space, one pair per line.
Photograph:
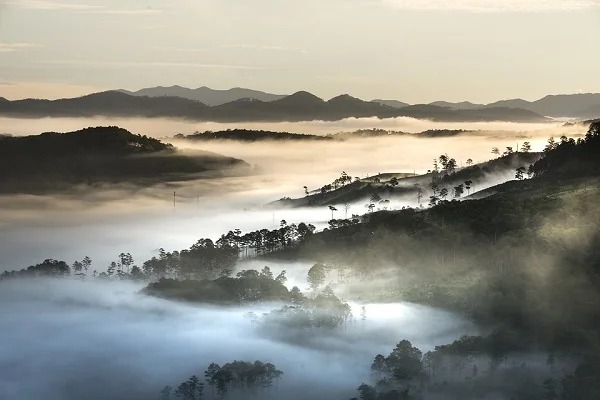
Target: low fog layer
103, 340
162, 127
102, 223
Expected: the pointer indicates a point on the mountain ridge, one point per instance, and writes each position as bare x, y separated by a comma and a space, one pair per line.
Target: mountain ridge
203, 94
577, 105
300, 106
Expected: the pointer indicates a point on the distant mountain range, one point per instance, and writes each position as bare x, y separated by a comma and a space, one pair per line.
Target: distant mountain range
391, 103
208, 96
556, 106
300, 106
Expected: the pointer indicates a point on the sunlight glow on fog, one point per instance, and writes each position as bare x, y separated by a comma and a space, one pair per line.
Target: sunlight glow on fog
132, 345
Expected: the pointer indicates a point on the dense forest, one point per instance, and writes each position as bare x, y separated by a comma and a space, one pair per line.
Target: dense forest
94, 156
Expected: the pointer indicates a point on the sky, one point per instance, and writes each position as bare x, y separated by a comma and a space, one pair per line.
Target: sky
411, 50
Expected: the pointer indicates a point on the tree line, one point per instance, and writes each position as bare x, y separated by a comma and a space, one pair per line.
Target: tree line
474, 366
241, 377
203, 260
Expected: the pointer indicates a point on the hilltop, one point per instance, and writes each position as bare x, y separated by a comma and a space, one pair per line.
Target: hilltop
55, 161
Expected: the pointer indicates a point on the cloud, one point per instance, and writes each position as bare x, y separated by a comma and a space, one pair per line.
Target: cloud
495, 5
51, 5
147, 11
151, 64
10, 47
252, 46
182, 49
80, 8
262, 47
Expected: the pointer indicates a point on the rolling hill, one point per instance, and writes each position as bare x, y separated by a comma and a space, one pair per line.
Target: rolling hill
53, 162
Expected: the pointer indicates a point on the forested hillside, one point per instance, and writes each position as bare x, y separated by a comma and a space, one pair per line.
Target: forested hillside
535, 239
57, 161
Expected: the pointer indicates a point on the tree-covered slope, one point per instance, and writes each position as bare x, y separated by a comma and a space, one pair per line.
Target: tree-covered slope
56, 161
406, 186
247, 135
526, 257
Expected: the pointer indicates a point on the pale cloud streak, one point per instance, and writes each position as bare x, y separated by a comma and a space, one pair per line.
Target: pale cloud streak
11, 47
262, 47
147, 11
182, 49
49, 5
148, 64
253, 47
495, 5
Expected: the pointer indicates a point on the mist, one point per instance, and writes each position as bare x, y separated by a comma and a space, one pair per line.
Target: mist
67, 339
104, 221
158, 255
166, 127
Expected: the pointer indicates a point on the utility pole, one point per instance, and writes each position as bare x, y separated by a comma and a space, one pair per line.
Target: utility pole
174, 198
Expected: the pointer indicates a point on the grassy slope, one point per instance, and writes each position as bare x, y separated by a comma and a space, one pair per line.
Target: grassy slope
363, 189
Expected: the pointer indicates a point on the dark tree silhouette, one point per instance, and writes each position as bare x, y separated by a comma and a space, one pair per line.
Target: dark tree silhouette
458, 191
333, 209
468, 184
191, 389
316, 276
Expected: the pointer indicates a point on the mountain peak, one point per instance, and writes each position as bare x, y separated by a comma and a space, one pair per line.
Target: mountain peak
300, 98
344, 98
390, 103
205, 95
